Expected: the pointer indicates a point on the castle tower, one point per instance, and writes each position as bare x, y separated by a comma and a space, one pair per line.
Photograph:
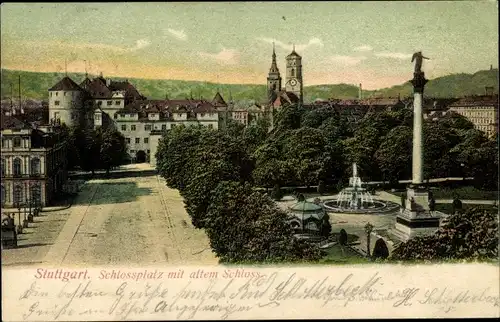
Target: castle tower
294, 82
66, 101
274, 77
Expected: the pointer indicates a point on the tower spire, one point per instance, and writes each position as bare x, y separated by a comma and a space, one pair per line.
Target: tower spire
274, 65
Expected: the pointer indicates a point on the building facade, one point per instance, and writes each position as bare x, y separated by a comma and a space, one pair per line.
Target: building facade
482, 111
33, 162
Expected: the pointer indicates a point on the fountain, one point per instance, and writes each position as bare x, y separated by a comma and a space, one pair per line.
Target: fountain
356, 199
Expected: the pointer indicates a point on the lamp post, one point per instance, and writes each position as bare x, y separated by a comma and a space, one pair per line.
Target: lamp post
462, 167
19, 226
368, 230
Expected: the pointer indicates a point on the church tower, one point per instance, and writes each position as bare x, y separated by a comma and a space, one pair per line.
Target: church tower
294, 81
273, 78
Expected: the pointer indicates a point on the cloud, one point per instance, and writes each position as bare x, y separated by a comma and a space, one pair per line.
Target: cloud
225, 56
179, 34
347, 60
363, 48
298, 47
73, 46
140, 44
400, 56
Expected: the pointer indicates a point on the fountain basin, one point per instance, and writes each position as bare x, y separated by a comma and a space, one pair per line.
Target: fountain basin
372, 207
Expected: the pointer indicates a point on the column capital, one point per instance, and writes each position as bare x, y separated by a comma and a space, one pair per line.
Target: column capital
419, 82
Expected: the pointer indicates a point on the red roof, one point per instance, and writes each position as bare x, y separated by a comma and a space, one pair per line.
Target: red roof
66, 84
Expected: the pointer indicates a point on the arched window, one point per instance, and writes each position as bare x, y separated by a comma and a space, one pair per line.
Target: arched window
36, 194
17, 167
35, 166
293, 72
3, 167
18, 195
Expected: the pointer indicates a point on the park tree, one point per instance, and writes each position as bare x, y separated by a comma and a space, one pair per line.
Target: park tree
246, 226
438, 141
176, 154
288, 118
113, 149
316, 117
304, 149
394, 154
471, 235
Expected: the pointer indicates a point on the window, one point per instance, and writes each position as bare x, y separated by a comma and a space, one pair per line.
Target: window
137, 140
132, 151
3, 166
64, 93
147, 127
146, 140
132, 127
293, 72
147, 151
210, 126
3, 195
18, 195
35, 166
97, 117
173, 125
56, 102
117, 102
36, 195
110, 103
17, 167
17, 142
57, 93
124, 127
128, 140
50, 94
116, 116
164, 127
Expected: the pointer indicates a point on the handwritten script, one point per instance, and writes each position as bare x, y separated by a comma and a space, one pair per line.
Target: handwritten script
229, 296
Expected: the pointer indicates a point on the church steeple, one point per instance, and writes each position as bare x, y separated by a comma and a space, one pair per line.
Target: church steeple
274, 77
274, 65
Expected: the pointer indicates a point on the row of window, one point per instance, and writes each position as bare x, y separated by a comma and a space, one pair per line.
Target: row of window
73, 93
16, 142
138, 140
17, 166
133, 151
35, 192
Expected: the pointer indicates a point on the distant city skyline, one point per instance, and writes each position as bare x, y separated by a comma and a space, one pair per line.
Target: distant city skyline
341, 42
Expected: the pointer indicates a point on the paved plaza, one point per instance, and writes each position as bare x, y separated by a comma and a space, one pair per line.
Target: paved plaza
124, 220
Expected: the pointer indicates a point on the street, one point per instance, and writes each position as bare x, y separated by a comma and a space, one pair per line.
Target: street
124, 220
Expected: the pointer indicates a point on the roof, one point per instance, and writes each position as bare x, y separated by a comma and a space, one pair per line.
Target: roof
97, 88
305, 206
10, 122
218, 101
476, 101
66, 84
284, 97
293, 54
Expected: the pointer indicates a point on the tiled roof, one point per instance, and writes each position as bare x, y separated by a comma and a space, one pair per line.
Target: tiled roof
66, 84
97, 88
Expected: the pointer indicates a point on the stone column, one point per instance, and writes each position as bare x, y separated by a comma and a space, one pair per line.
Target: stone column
418, 82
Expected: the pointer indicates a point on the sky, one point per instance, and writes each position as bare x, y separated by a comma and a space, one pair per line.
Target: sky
231, 42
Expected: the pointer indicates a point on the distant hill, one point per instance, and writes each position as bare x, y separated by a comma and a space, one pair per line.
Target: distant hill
35, 85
